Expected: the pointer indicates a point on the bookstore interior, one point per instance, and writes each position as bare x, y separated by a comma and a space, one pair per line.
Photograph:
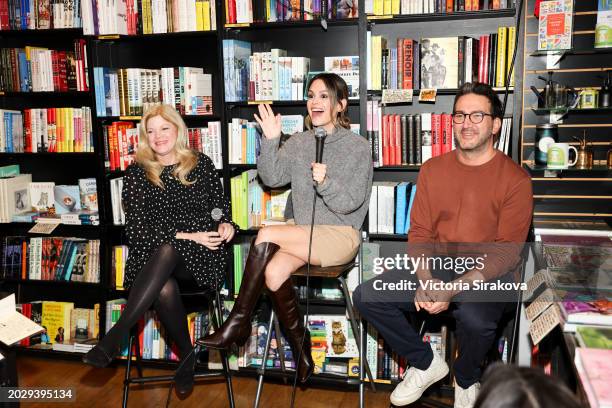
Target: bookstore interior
76, 80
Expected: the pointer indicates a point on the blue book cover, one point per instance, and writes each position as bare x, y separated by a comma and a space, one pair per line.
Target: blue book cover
400, 207
412, 194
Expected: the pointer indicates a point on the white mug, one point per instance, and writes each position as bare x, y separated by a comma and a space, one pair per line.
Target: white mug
558, 156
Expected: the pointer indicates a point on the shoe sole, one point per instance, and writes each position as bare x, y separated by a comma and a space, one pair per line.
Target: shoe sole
405, 401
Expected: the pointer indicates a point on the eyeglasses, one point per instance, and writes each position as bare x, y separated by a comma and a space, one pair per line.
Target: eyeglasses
475, 117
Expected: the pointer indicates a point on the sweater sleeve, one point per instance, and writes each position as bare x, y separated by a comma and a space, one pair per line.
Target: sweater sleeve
274, 163
213, 185
140, 233
421, 226
348, 190
512, 229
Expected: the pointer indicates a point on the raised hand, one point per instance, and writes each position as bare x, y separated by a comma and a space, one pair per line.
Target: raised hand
270, 123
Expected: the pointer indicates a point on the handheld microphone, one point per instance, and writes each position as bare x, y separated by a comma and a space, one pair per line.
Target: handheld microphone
216, 215
320, 135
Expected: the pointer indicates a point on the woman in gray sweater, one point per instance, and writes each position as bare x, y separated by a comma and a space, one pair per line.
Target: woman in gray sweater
343, 183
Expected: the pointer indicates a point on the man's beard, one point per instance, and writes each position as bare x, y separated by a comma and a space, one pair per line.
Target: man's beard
476, 146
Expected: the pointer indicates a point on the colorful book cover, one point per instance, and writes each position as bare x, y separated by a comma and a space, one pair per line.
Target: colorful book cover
88, 194
595, 337
67, 199
555, 25
439, 66
56, 320
41, 196
603, 28
595, 373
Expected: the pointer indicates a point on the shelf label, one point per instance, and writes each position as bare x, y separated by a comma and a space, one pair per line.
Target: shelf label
130, 117
383, 17
397, 96
44, 227
237, 25
259, 102
109, 37
428, 95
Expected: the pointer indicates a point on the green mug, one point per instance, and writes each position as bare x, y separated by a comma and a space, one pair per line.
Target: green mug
557, 156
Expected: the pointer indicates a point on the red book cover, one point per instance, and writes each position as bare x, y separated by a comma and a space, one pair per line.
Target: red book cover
27, 127
496, 5
63, 69
449, 6
436, 142
408, 81
385, 139
485, 49
481, 45
398, 139
391, 133
4, 15
447, 127
51, 142
111, 130
231, 7
468, 5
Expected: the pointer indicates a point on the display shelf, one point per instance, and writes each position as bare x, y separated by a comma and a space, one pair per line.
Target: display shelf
593, 51
137, 37
50, 94
388, 237
47, 154
242, 104
186, 118
51, 282
543, 171
563, 111
398, 168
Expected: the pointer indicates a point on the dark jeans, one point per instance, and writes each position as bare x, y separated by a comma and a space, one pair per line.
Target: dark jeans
476, 328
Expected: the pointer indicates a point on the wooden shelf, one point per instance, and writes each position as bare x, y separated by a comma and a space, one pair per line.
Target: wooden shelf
458, 15
593, 51
545, 111
543, 171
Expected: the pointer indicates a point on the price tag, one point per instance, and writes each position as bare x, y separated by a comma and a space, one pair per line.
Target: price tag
44, 227
397, 96
428, 95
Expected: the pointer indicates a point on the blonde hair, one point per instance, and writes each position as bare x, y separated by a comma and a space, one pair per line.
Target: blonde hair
145, 156
338, 90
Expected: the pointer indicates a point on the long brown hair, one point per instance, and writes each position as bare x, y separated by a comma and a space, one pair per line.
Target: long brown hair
145, 156
338, 90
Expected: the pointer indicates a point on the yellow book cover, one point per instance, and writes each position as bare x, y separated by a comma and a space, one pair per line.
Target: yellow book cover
244, 211
119, 267
70, 122
56, 320
96, 321
511, 41
386, 7
378, 7
199, 5
59, 130
502, 39
395, 7
206, 15
375, 63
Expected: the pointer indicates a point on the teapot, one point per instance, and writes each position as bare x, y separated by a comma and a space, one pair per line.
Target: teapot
555, 94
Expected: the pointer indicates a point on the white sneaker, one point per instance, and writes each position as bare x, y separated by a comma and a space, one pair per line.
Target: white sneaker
416, 381
465, 398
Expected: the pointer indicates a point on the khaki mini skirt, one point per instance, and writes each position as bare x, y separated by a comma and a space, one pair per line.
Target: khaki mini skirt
332, 244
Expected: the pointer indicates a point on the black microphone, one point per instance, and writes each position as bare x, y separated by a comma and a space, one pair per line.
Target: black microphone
216, 215
320, 135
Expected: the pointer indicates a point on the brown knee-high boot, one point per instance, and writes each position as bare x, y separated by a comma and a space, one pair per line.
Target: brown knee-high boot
285, 303
237, 327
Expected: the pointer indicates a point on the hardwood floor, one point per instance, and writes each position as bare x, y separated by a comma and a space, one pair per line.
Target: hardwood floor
103, 388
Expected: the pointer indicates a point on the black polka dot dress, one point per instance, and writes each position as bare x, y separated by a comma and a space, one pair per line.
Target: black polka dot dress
154, 216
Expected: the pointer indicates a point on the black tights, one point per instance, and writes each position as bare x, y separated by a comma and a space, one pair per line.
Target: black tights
156, 285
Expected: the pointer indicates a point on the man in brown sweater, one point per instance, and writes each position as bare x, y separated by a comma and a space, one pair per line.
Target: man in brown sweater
472, 195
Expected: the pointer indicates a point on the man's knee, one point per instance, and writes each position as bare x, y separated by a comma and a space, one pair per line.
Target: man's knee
474, 322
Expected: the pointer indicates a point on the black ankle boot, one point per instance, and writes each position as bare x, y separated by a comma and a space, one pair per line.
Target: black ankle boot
99, 357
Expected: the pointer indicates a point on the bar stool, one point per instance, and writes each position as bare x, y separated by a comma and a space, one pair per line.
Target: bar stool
215, 311
339, 273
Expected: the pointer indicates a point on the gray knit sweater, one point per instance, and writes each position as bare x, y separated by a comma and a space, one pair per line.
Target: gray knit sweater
343, 197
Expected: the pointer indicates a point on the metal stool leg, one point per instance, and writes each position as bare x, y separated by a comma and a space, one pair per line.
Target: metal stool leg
218, 311
355, 327
281, 353
128, 372
262, 370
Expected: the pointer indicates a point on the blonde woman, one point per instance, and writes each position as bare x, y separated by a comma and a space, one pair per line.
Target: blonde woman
168, 195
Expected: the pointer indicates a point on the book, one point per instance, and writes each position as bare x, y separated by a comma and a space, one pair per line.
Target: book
555, 25
67, 199
595, 372
595, 337
603, 28
14, 326
439, 62
89, 194
42, 195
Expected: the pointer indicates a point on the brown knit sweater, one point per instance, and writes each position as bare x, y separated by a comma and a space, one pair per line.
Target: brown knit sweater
490, 203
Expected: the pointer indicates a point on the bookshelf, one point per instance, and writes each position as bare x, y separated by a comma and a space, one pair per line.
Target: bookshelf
569, 193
